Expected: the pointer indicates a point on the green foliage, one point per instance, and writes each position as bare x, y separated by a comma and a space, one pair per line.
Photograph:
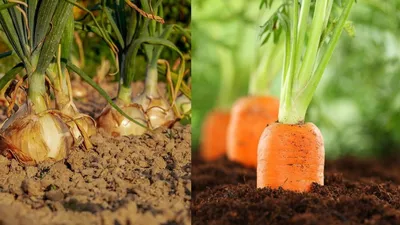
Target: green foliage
9, 61
358, 114
94, 51
357, 102
31, 38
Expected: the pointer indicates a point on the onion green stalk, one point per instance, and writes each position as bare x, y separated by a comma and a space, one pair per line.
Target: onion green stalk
311, 34
125, 23
137, 30
82, 126
153, 39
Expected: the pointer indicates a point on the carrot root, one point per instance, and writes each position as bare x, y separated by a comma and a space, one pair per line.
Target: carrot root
291, 157
213, 135
249, 117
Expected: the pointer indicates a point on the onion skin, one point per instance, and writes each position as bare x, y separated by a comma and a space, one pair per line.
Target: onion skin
117, 125
36, 138
81, 129
21, 113
157, 110
183, 104
81, 126
160, 113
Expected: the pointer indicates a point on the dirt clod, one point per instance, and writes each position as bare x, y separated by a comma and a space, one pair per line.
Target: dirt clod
54, 195
31, 187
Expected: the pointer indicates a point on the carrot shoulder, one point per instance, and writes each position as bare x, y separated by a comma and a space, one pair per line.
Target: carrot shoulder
249, 117
213, 135
291, 157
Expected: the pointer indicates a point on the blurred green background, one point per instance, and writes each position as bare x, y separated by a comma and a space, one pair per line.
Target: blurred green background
357, 103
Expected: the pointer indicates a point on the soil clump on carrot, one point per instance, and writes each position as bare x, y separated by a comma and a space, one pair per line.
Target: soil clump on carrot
123, 180
356, 191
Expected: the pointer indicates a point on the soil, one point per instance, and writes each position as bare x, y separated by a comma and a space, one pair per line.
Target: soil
123, 180
356, 191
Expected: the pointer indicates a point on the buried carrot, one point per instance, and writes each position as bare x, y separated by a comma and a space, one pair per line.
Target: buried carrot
291, 152
214, 129
292, 156
249, 116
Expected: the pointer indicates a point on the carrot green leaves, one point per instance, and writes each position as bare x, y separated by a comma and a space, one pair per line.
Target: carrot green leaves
311, 31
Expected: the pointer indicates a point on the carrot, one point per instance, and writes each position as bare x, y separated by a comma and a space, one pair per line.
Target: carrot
213, 138
291, 157
291, 153
249, 116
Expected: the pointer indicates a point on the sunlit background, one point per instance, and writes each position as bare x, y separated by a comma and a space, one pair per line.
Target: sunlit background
357, 104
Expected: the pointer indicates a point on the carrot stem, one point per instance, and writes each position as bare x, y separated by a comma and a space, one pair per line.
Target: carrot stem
267, 69
304, 12
313, 43
226, 81
327, 55
303, 69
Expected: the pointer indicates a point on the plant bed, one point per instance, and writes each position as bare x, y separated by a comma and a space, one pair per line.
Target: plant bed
123, 180
71, 154
356, 191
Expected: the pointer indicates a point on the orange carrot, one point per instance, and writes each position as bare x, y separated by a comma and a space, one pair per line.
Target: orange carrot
249, 117
213, 138
291, 157
290, 152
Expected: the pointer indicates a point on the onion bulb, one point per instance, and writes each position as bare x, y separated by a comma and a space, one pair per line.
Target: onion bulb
33, 138
184, 105
118, 125
81, 126
156, 109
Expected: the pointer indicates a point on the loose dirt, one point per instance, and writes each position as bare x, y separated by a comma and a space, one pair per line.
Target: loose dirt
355, 192
124, 180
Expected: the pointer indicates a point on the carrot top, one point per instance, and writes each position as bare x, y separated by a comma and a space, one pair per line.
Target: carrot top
311, 31
269, 62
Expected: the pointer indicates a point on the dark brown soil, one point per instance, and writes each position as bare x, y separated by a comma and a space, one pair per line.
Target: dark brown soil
355, 192
126, 180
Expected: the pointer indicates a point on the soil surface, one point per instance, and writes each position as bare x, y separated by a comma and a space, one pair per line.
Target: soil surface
124, 180
355, 192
